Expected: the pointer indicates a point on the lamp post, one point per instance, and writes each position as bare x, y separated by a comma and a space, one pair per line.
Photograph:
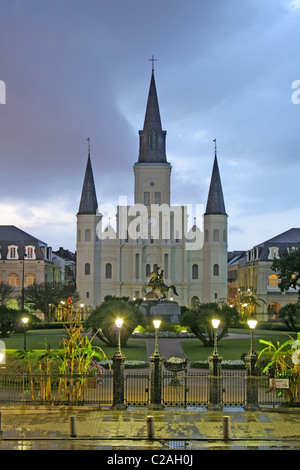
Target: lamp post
119, 323
250, 359
156, 324
23, 279
25, 321
118, 370
252, 325
215, 383
156, 361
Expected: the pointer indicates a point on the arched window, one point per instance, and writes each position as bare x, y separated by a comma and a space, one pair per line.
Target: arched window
216, 270
195, 301
108, 271
148, 269
87, 235
195, 271
216, 235
29, 279
12, 279
87, 268
273, 280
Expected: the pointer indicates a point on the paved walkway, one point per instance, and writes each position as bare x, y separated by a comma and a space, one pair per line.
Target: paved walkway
173, 429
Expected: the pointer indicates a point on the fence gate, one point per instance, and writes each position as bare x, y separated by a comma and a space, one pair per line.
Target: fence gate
185, 389
137, 388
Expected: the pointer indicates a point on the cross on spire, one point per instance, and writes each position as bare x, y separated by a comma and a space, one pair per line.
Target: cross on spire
89, 145
215, 141
153, 60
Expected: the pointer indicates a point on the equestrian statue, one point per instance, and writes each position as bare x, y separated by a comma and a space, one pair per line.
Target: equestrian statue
156, 283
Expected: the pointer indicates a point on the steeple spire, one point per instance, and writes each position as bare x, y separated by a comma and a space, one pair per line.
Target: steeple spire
88, 202
152, 137
215, 201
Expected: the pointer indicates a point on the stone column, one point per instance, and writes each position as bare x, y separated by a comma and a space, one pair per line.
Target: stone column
156, 360
118, 381
215, 381
251, 382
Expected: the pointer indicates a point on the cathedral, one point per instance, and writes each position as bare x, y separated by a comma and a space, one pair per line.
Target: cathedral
152, 235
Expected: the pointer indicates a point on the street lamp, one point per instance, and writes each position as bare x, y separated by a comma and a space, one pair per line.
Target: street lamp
215, 324
119, 323
252, 324
156, 324
23, 279
25, 321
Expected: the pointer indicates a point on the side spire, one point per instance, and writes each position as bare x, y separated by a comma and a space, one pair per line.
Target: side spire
88, 202
215, 201
152, 137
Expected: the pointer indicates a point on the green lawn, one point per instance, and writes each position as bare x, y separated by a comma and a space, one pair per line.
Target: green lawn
38, 339
232, 349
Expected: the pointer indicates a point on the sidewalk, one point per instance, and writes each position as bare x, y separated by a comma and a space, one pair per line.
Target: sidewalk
173, 429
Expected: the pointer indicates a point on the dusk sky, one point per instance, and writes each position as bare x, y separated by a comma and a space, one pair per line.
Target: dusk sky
75, 69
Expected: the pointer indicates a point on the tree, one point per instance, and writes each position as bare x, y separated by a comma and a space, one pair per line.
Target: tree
8, 318
102, 320
47, 295
199, 320
5, 291
287, 268
290, 315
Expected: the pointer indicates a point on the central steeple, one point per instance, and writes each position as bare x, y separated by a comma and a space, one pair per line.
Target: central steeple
152, 137
152, 171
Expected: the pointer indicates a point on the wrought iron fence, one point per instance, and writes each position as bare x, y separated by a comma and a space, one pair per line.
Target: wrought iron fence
56, 389
191, 389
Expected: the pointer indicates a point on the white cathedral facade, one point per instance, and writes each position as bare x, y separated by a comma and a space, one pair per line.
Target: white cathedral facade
152, 233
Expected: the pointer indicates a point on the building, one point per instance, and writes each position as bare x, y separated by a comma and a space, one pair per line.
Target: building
254, 274
152, 234
66, 260
24, 260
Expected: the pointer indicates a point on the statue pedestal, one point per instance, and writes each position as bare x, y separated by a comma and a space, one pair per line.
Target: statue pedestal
165, 309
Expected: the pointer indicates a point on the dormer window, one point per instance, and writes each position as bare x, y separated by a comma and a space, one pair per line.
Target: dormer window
30, 252
12, 252
273, 252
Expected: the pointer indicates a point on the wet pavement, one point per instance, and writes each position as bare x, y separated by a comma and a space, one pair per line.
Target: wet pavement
174, 429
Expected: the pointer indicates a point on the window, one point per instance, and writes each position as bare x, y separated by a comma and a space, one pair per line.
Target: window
166, 266
206, 235
195, 271
216, 270
152, 139
12, 280
216, 235
12, 252
30, 252
148, 269
29, 279
87, 235
108, 271
157, 197
146, 198
137, 266
195, 301
87, 269
273, 280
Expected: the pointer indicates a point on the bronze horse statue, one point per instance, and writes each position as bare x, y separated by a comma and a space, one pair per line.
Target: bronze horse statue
156, 283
